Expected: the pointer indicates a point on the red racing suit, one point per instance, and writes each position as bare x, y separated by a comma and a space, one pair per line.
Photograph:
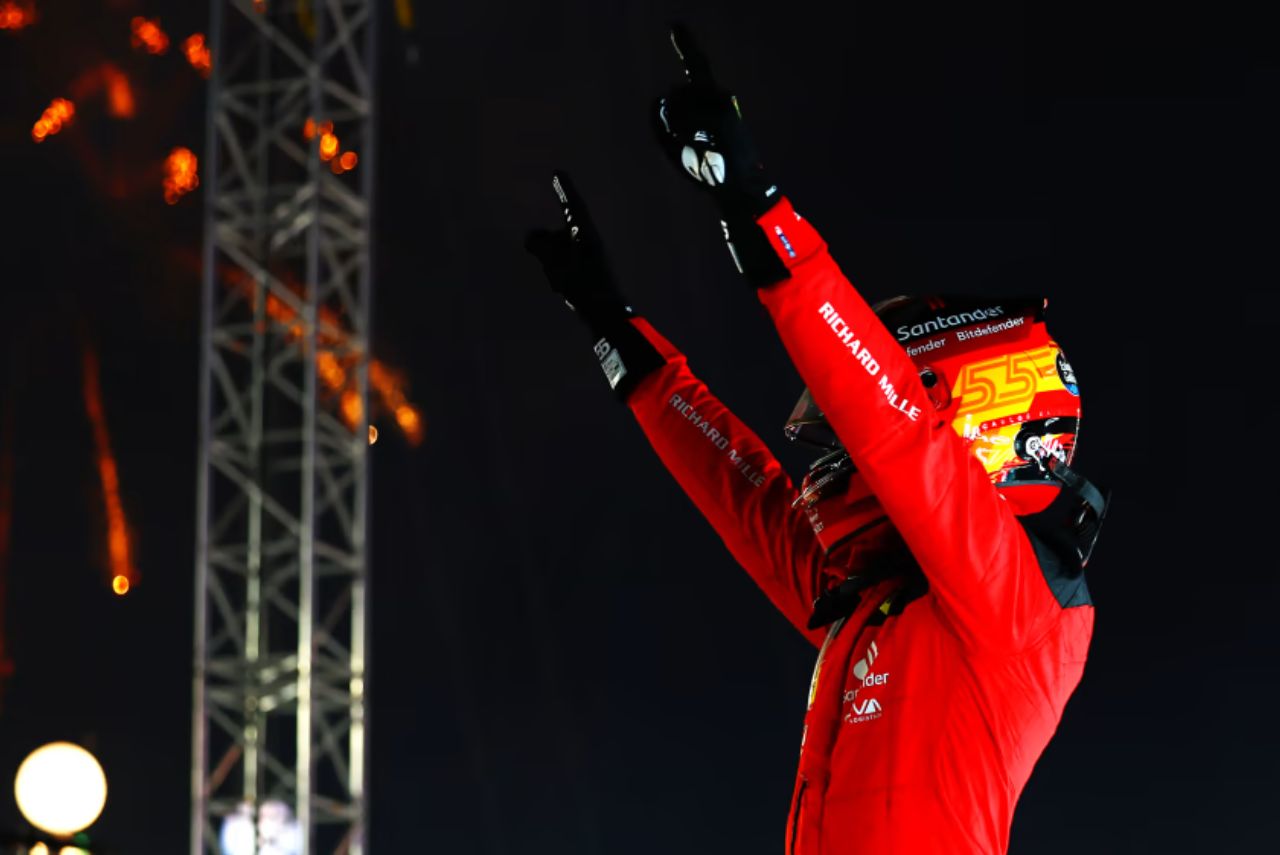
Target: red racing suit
924, 720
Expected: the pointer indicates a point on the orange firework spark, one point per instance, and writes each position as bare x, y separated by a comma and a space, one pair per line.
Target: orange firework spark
389, 385
180, 174
119, 93
404, 14
311, 127
16, 16
148, 36
107, 78
198, 54
328, 146
283, 314
58, 113
345, 163
351, 409
333, 371
410, 422
334, 376
118, 551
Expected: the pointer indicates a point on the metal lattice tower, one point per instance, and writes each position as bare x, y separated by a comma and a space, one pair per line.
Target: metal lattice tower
281, 553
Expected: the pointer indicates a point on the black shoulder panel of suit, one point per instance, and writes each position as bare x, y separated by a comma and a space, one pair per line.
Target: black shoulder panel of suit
1056, 541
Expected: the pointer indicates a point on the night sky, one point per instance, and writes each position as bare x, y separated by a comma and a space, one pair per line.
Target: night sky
565, 659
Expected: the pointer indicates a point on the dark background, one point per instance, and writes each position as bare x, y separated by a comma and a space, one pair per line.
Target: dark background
565, 658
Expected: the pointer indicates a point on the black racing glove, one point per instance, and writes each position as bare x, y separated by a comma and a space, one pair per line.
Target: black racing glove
574, 262
700, 127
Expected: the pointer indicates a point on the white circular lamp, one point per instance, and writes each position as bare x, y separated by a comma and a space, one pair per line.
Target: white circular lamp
60, 788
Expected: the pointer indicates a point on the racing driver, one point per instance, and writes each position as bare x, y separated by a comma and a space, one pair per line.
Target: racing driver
933, 554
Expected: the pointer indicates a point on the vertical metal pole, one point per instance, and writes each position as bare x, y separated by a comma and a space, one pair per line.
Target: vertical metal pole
199, 714
359, 707
282, 547
306, 553
255, 645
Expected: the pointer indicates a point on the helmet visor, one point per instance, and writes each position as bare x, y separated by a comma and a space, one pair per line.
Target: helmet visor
808, 425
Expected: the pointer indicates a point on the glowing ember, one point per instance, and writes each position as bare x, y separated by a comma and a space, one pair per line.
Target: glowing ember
390, 388
310, 128
119, 92
336, 372
58, 113
331, 370
118, 550
180, 176
344, 163
120, 584
373, 434
281, 312
410, 423
404, 14
284, 315
198, 54
328, 146
148, 36
351, 409
108, 80
16, 16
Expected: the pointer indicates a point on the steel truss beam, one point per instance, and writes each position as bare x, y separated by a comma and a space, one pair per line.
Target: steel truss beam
281, 554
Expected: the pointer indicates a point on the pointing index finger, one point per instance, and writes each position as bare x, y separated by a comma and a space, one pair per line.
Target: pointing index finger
575, 212
697, 69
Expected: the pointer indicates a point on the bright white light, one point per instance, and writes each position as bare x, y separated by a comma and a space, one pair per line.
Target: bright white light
278, 832
60, 788
237, 832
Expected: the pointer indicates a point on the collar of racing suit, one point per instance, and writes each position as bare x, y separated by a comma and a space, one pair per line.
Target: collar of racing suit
863, 548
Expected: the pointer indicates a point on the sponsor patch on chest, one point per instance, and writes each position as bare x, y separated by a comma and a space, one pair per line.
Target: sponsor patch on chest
861, 701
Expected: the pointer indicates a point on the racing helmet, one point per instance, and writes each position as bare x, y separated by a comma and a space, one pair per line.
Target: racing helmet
991, 370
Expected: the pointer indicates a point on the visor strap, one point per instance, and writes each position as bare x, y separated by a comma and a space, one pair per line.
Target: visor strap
1078, 484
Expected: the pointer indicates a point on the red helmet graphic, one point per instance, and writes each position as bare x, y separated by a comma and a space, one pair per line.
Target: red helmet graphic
992, 371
